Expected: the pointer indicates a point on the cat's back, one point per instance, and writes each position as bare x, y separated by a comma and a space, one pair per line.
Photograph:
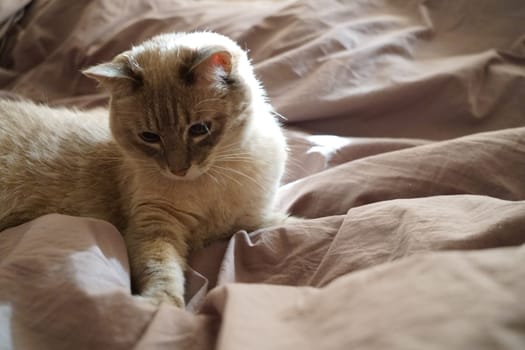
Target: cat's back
35, 136
53, 160
23, 121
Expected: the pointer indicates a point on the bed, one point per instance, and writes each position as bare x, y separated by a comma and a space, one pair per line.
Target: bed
406, 128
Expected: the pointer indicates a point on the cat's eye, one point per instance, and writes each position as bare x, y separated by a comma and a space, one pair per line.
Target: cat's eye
199, 129
149, 137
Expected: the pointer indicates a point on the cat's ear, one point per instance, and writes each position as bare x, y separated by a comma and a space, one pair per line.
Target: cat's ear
212, 67
119, 74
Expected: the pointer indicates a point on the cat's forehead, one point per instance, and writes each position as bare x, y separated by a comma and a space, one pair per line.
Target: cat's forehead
167, 69
152, 61
175, 79
169, 94
165, 72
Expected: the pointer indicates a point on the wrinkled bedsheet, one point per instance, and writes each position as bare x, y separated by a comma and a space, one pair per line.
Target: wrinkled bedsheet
406, 128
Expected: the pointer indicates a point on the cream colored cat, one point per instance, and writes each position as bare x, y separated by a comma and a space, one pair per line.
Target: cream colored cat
191, 151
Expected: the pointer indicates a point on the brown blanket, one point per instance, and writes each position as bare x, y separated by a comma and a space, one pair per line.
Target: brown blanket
415, 212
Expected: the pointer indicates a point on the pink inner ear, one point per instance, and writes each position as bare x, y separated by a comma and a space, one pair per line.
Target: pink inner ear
221, 59
217, 59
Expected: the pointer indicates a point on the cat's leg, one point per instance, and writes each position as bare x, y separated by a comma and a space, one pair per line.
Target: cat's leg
157, 254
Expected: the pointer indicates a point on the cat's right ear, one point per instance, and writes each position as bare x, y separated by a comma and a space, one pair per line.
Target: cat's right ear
117, 75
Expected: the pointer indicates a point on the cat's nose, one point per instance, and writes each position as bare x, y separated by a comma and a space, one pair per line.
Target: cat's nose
180, 172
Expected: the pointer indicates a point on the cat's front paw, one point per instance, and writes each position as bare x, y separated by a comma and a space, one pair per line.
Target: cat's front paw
157, 296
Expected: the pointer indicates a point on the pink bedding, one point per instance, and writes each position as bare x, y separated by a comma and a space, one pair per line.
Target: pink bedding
406, 129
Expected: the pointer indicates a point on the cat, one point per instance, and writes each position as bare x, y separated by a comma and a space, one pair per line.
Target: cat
188, 151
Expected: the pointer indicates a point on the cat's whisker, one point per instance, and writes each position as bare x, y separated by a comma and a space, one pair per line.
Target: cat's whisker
279, 115
226, 158
231, 145
228, 153
237, 158
240, 173
228, 176
209, 173
216, 174
245, 155
242, 154
226, 161
230, 149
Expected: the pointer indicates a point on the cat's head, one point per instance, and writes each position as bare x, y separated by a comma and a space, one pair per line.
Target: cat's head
179, 100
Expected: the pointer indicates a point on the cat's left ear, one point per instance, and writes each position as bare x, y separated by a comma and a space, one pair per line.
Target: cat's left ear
119, 74
212, 67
